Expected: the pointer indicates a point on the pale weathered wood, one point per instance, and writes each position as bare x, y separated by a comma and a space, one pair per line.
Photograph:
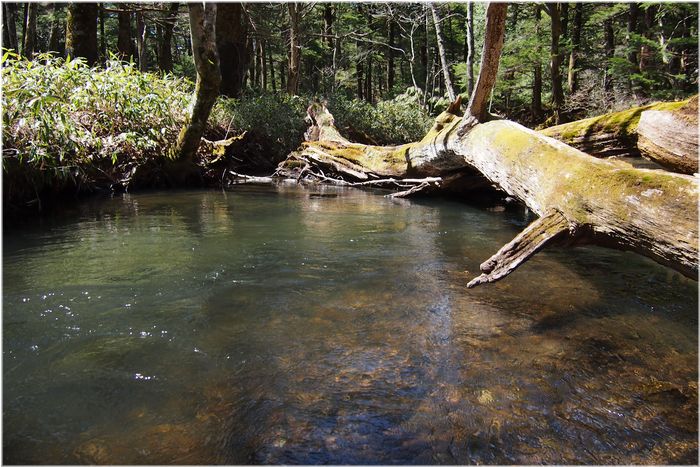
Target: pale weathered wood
670, 137
606, 202
528, 242
667, 134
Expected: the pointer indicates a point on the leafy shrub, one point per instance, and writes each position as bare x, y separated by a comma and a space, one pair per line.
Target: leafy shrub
58, 112
396, 121
276, 119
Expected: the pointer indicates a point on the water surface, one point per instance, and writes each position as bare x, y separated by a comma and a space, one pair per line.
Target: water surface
290, 325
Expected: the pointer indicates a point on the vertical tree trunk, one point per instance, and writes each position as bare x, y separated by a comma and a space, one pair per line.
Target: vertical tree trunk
81, 31
645, 51
272, 69
294, 48
55, 36
231, 32
441, 51
554, 10
493, 44
103, 38
206, 61
368, 78
632, 57
263, 66
165, 55
360, 70
609, 53
328, 17
575, 46
141, 36
537, 112
9, 26
391, 40
124, 40
29, 39
470, 47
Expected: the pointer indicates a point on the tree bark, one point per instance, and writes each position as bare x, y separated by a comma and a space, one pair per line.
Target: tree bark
664, 132
206, 61
9, 28
141, 37
580, 199
554, 10
29, 39
391, 39
670, 137
81, 31
609, 53
537, 112
470, 47
124, 41
493, 44
231, 32
165, 55
294, 48
575, 46
441, 51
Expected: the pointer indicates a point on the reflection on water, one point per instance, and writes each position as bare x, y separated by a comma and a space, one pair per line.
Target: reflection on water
289, 325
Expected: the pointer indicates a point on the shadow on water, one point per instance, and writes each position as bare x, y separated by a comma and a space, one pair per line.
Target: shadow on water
325, 325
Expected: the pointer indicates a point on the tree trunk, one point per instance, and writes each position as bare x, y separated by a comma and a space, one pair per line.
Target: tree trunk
493, 44
206, 61
575, 45
369, 96
609, 53
263, 66
555, 61
470, 47
670, 137
103, 38
141, 36
664, 132
81, 31
231, 32
124, 41
165, 55
359, 72
537, 112
272, 69
55, 36
580, 199
29, 39
391, 39
294, 48
9, 26
441, 51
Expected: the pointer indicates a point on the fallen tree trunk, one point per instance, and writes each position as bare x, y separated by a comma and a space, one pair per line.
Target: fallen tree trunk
670, 137
580, 199
666, 133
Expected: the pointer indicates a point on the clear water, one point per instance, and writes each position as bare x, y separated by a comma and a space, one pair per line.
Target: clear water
290, 325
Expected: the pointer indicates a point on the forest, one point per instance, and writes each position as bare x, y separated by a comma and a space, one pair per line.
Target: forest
277, 233
386, 70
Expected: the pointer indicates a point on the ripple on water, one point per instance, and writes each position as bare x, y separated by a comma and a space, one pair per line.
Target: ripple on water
247, 327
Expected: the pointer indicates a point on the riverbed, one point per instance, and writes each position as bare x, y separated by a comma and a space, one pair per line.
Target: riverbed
281, 324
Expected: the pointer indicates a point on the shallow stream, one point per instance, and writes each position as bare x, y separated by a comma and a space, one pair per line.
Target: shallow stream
291, 325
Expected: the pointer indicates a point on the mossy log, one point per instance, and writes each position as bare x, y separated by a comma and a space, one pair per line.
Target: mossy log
670, 137
581, 199
664, 132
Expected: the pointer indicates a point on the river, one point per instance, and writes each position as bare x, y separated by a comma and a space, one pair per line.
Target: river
328, 325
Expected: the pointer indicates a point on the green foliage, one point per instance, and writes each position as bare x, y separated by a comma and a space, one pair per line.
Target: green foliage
396, 121
62, 112
275, 118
